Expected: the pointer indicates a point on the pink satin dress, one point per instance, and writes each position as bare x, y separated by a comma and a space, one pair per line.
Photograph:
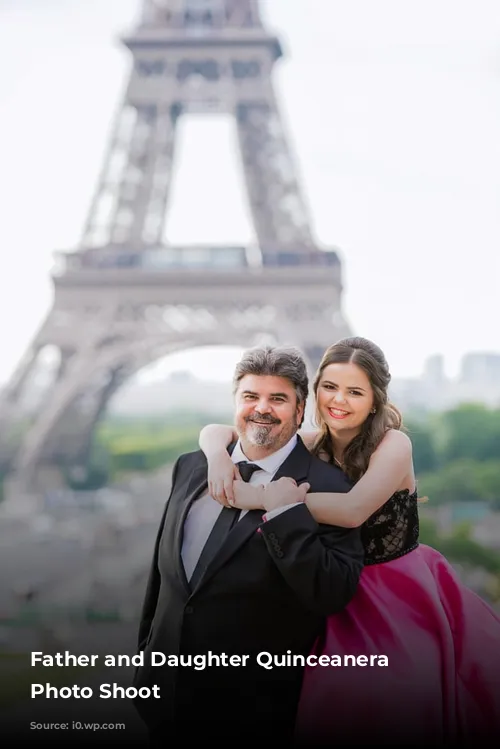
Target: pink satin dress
441, 686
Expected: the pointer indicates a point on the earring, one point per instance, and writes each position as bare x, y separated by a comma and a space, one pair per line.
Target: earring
373, 411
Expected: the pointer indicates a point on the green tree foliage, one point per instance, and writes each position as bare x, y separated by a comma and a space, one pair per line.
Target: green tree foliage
463, 480
149, 451
468, 431
424, 453
458, 546
144, 445
458, 461
457, 455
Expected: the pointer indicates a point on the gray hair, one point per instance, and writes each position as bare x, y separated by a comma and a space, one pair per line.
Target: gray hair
275, 361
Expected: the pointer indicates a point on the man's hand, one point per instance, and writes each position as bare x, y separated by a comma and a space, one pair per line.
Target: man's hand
283, 492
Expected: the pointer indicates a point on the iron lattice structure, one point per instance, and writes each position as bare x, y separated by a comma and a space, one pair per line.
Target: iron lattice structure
126, 297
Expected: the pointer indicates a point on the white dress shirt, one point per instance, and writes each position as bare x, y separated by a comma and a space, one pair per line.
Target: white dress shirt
204, 511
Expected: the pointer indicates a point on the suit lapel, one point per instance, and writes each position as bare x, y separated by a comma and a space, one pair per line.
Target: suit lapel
241, 532
197, 485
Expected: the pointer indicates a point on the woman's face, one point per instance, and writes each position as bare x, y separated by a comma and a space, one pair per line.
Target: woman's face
344, 397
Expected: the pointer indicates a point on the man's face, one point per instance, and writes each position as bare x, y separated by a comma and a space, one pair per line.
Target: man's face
267, 414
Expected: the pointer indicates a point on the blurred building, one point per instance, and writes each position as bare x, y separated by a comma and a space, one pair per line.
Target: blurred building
478, 381
480, 369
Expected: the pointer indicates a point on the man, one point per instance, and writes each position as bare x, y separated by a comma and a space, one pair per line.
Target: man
263, 585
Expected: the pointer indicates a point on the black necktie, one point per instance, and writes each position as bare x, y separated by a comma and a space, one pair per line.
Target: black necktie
247, 470
228, 517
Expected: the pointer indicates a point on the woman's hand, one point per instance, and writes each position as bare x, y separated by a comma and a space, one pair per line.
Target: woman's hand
247, 497
284, 492
221, 474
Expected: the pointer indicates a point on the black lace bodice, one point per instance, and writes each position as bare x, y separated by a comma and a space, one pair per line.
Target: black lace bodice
392, 531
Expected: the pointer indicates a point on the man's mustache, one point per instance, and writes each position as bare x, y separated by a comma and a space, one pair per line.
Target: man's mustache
264, 419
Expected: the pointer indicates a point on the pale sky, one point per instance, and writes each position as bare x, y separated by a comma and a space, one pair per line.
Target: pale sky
393, 112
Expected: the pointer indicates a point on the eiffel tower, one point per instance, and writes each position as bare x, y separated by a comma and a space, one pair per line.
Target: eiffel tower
125, 297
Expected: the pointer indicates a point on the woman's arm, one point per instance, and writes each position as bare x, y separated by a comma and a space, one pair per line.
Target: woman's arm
389, 465
214, 440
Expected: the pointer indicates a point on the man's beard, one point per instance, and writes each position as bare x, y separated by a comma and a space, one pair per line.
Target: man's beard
261, 435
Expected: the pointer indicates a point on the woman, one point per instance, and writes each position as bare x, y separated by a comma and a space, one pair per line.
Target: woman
442, 642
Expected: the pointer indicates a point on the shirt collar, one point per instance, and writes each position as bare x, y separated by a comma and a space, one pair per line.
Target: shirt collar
270, 463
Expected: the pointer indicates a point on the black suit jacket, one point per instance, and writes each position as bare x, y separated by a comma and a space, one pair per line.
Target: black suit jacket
266, 591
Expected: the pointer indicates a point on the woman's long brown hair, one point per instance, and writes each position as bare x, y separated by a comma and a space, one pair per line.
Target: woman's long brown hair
371, 360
